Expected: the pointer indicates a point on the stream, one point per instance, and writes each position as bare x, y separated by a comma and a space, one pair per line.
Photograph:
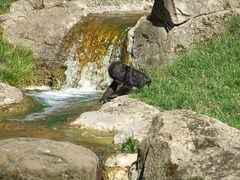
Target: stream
50, 116
91, 46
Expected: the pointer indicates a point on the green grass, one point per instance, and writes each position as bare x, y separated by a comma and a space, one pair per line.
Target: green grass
4, 5
130, 145
206, 80
16, 64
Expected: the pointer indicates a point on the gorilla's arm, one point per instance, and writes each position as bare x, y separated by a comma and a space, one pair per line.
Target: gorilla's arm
123, 90
108, 93
127, 83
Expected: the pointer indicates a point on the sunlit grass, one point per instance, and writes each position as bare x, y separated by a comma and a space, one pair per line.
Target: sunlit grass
206, 80
130, 145
16, 64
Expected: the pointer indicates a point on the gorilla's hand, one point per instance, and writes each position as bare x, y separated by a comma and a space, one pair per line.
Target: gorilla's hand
102, 101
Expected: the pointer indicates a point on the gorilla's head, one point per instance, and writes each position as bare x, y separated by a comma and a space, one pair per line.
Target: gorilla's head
117, 71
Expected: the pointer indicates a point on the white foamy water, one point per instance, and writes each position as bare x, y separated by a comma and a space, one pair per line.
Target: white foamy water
40, 88
56, 100
90, 77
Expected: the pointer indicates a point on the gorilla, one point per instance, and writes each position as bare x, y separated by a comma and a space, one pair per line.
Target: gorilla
124, 79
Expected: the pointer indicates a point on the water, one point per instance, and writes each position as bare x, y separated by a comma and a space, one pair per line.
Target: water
50, 118
92, 45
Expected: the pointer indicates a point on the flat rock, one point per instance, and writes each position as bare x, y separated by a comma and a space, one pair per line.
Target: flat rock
28, 158
126, 116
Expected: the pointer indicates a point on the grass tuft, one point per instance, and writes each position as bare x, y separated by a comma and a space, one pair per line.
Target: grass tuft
130, 145
206, 80
16, 64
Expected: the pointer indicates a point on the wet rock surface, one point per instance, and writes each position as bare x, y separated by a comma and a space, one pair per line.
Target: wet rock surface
27, 158
184, 145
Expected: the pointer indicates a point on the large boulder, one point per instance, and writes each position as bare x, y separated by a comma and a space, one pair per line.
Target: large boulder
184, 145
26, 158
128, 117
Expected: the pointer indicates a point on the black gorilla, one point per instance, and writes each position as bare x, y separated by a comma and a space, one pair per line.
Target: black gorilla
124, 79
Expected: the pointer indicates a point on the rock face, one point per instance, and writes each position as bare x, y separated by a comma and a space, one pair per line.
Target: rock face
25, 158
128, 117
145, 42
184, 145
176, 26
9, 95
41, 25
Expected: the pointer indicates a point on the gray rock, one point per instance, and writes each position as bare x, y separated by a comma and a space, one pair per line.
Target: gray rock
27, 158
184, 145
145, 43
128, 117
9, 95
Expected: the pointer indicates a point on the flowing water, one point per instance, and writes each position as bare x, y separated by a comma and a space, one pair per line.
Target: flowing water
50, 118
90, 47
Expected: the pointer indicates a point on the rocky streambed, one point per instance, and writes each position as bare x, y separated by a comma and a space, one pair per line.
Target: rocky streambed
37, 141
174, 144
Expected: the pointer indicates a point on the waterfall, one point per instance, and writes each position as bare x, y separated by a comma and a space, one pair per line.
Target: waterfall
94, 43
